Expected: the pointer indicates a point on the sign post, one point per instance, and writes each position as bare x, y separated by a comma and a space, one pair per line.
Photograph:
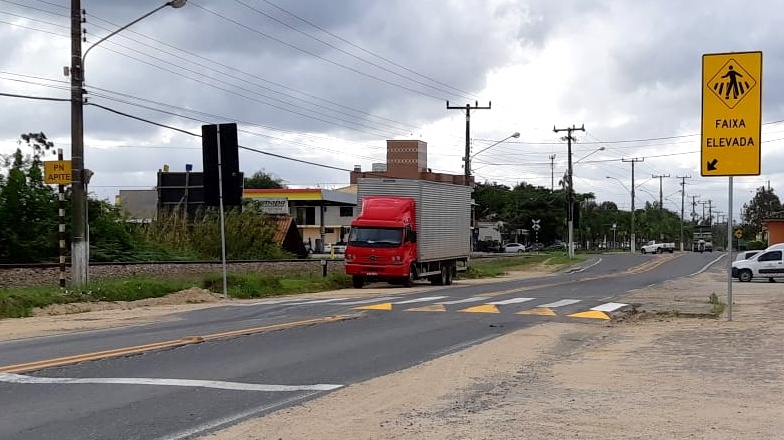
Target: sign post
731, 125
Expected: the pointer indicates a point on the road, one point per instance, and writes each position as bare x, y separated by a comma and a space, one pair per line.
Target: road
218, 366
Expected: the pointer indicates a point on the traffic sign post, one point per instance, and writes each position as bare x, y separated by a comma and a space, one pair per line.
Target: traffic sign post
731, 114
731, 125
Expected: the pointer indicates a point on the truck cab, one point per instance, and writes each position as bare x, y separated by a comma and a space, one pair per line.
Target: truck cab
382, 242
767, 264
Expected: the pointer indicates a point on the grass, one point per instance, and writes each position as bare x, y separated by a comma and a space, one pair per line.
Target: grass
493, 267
20, 302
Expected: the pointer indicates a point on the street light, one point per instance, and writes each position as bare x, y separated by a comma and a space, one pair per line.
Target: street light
589, 154
80, 251
631, 232
468, 173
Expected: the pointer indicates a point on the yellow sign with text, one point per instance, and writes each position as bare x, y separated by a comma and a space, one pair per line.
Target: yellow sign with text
731, 114
57, 171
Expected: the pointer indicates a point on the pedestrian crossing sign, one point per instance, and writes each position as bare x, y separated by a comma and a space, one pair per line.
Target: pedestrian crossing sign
731, 114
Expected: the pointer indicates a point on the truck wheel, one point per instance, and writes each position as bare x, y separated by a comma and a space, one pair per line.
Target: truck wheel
745, 275
449, 271
357, 281
440, 279
672, 250
659, 250
409, 282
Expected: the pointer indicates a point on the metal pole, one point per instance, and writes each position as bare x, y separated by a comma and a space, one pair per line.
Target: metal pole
729, 255
222, 221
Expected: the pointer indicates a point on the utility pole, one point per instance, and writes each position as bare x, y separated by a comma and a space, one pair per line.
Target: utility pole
467, 158
710, 212
552, 172
80, 246
570, 192
661, 193
633, 237
683, 200
661, 203
703, 203
694, 208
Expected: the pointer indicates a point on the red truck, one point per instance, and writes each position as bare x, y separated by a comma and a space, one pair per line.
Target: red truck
408, 230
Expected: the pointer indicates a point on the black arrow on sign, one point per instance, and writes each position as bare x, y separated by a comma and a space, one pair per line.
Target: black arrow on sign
712, 165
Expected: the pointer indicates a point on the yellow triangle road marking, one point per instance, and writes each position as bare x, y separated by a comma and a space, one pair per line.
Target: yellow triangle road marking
383, 306
540, 311
485, 308
430, 308
590, 314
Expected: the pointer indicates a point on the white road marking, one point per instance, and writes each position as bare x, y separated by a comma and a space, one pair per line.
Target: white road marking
317, 301
511, 301
366, 301
217, 384
427, 298
561, 303
608, 307
465, 300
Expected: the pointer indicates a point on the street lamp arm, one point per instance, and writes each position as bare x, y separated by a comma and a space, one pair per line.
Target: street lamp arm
589, 154
173, 3
513, 135
619, 181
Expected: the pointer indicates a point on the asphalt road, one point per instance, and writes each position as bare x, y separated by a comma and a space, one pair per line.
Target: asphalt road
220, 365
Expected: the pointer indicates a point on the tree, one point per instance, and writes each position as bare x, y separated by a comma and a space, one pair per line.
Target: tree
763, 205
28, 207
264, 180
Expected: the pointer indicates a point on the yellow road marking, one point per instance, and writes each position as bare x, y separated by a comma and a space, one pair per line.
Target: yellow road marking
485, 308
383, 306
68, 360
590, 314
540, 311
431, 308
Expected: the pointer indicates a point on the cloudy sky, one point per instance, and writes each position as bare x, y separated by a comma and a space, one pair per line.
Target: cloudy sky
322, 85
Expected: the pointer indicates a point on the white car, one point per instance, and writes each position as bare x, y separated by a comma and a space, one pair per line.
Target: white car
745, 255
514, 248
766, 264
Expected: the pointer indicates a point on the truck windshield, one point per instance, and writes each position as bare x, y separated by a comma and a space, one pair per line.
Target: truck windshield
387, 237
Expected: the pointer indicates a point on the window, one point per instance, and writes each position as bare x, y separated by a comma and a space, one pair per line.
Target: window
770, 256
347, 211
306, 215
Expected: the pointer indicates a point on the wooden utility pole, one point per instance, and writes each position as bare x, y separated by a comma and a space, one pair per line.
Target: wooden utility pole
570, 191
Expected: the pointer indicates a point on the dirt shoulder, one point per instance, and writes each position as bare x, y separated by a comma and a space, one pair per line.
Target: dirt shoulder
665, 376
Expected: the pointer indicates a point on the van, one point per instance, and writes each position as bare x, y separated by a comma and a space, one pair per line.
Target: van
766, 264
774, 247
745, 255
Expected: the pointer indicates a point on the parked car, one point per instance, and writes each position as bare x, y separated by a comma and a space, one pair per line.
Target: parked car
766, 264
559, 246
339, 247
511, 248
745, 255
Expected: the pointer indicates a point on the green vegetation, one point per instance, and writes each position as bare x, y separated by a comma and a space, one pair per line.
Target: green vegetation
718, 306
17, 303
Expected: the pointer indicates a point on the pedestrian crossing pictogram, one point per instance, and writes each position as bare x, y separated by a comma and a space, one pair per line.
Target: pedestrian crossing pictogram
731, 83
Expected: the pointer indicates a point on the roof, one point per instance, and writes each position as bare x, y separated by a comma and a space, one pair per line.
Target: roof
282, 224
305, 194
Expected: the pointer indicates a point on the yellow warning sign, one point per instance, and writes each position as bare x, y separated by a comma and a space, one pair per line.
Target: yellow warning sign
731, 114
57, 171
739, 233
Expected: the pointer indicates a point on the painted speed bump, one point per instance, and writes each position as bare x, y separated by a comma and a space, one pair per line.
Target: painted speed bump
484, 308
430, 308
590, 314
382, 306
539, 311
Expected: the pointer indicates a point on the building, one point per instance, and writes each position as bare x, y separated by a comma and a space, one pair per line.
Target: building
407, 159
775, 229
322, 215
